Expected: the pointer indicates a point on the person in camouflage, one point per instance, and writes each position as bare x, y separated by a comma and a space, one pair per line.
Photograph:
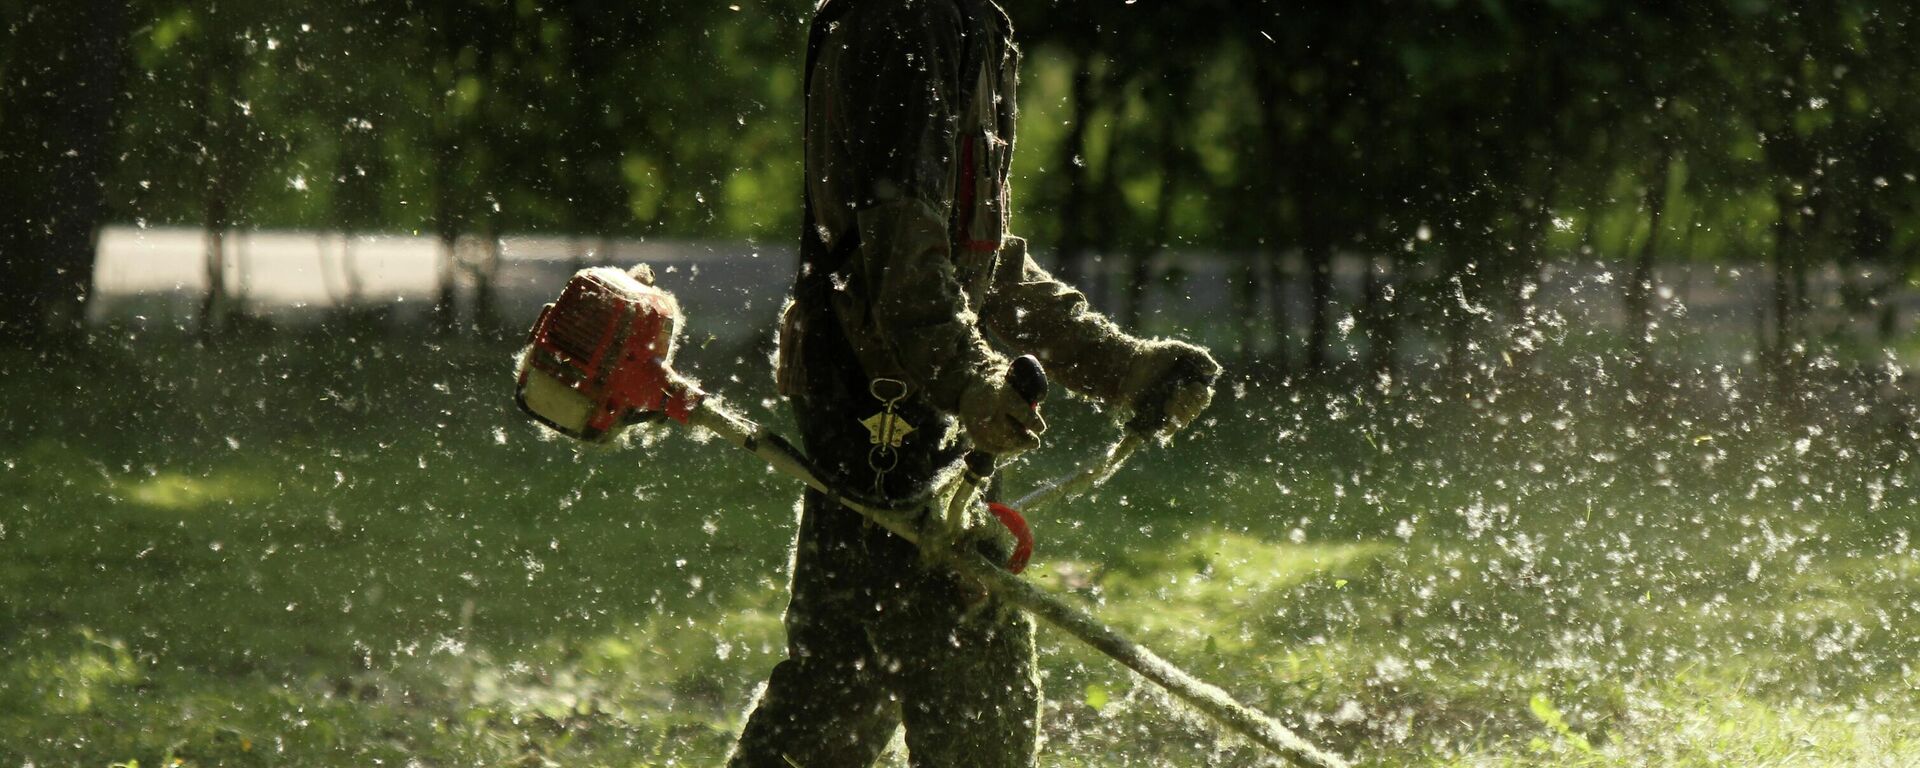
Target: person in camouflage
906, 268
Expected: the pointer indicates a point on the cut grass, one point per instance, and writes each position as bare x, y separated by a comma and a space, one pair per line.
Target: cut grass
334, 553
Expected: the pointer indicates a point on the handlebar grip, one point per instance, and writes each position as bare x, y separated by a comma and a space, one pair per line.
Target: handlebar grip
1028, 379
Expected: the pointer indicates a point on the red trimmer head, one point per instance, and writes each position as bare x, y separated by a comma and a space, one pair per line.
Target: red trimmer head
600, 357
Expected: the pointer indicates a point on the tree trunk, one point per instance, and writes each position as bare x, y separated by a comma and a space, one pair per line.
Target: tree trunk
1802, 300
1245, 290
1139, 274
447, 229
1309, 172
55, 136
446, 293
1780, 357
1455, 302
1524, 279
354, 205
346, 273
1073, 161
242, 268
1140, 261
1377, 314
1110, 203
1639, 288
486, 274
1318, 254
1887, 319
221, 153
1276, 269
1267, 83
213, 302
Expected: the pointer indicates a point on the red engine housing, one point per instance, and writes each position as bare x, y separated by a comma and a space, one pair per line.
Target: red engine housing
609, 339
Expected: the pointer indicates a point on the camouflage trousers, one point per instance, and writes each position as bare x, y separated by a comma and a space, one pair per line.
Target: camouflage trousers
875, 638
874, 641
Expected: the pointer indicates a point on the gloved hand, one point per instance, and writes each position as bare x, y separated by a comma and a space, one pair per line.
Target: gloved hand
999, 420
1170, 383
989, 538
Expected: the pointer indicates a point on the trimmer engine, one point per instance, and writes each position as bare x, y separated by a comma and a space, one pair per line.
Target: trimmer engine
600, 357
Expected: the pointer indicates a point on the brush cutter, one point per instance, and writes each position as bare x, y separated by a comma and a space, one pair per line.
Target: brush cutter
600, 359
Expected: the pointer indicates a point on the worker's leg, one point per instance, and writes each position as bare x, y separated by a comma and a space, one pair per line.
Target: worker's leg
826, 704
970, 693
832, 703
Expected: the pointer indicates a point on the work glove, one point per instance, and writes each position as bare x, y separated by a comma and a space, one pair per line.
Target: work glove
986, 537
997, 418
1170, 383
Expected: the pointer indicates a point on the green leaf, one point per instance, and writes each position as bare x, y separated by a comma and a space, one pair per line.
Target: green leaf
1549, 715
1544, 711
1096, 697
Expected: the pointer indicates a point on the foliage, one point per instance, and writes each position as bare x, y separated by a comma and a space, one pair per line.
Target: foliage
1461, 149
579, 117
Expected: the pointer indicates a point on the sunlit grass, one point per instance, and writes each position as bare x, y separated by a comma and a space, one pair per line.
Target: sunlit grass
1205, 588
176, 492
324, 563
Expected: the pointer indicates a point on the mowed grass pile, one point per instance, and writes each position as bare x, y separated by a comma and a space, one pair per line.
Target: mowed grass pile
325, 550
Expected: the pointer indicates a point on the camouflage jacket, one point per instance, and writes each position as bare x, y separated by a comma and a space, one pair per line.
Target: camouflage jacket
909, 137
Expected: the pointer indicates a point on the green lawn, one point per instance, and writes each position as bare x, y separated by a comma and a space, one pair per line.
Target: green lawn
333, 552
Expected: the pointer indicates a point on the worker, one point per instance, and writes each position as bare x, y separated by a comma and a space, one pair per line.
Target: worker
907, 271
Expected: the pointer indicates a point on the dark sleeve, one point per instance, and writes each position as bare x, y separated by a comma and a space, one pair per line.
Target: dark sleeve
1035, 313
895, 95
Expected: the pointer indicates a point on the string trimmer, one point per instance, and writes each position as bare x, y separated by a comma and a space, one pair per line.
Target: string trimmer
601, 358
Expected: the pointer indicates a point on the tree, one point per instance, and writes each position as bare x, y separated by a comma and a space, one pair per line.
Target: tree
61, 72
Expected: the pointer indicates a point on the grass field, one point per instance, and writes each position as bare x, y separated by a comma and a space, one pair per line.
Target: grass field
325, 552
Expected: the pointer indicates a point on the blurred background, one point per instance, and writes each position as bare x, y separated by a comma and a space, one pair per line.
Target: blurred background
1568, 418
1353, 184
